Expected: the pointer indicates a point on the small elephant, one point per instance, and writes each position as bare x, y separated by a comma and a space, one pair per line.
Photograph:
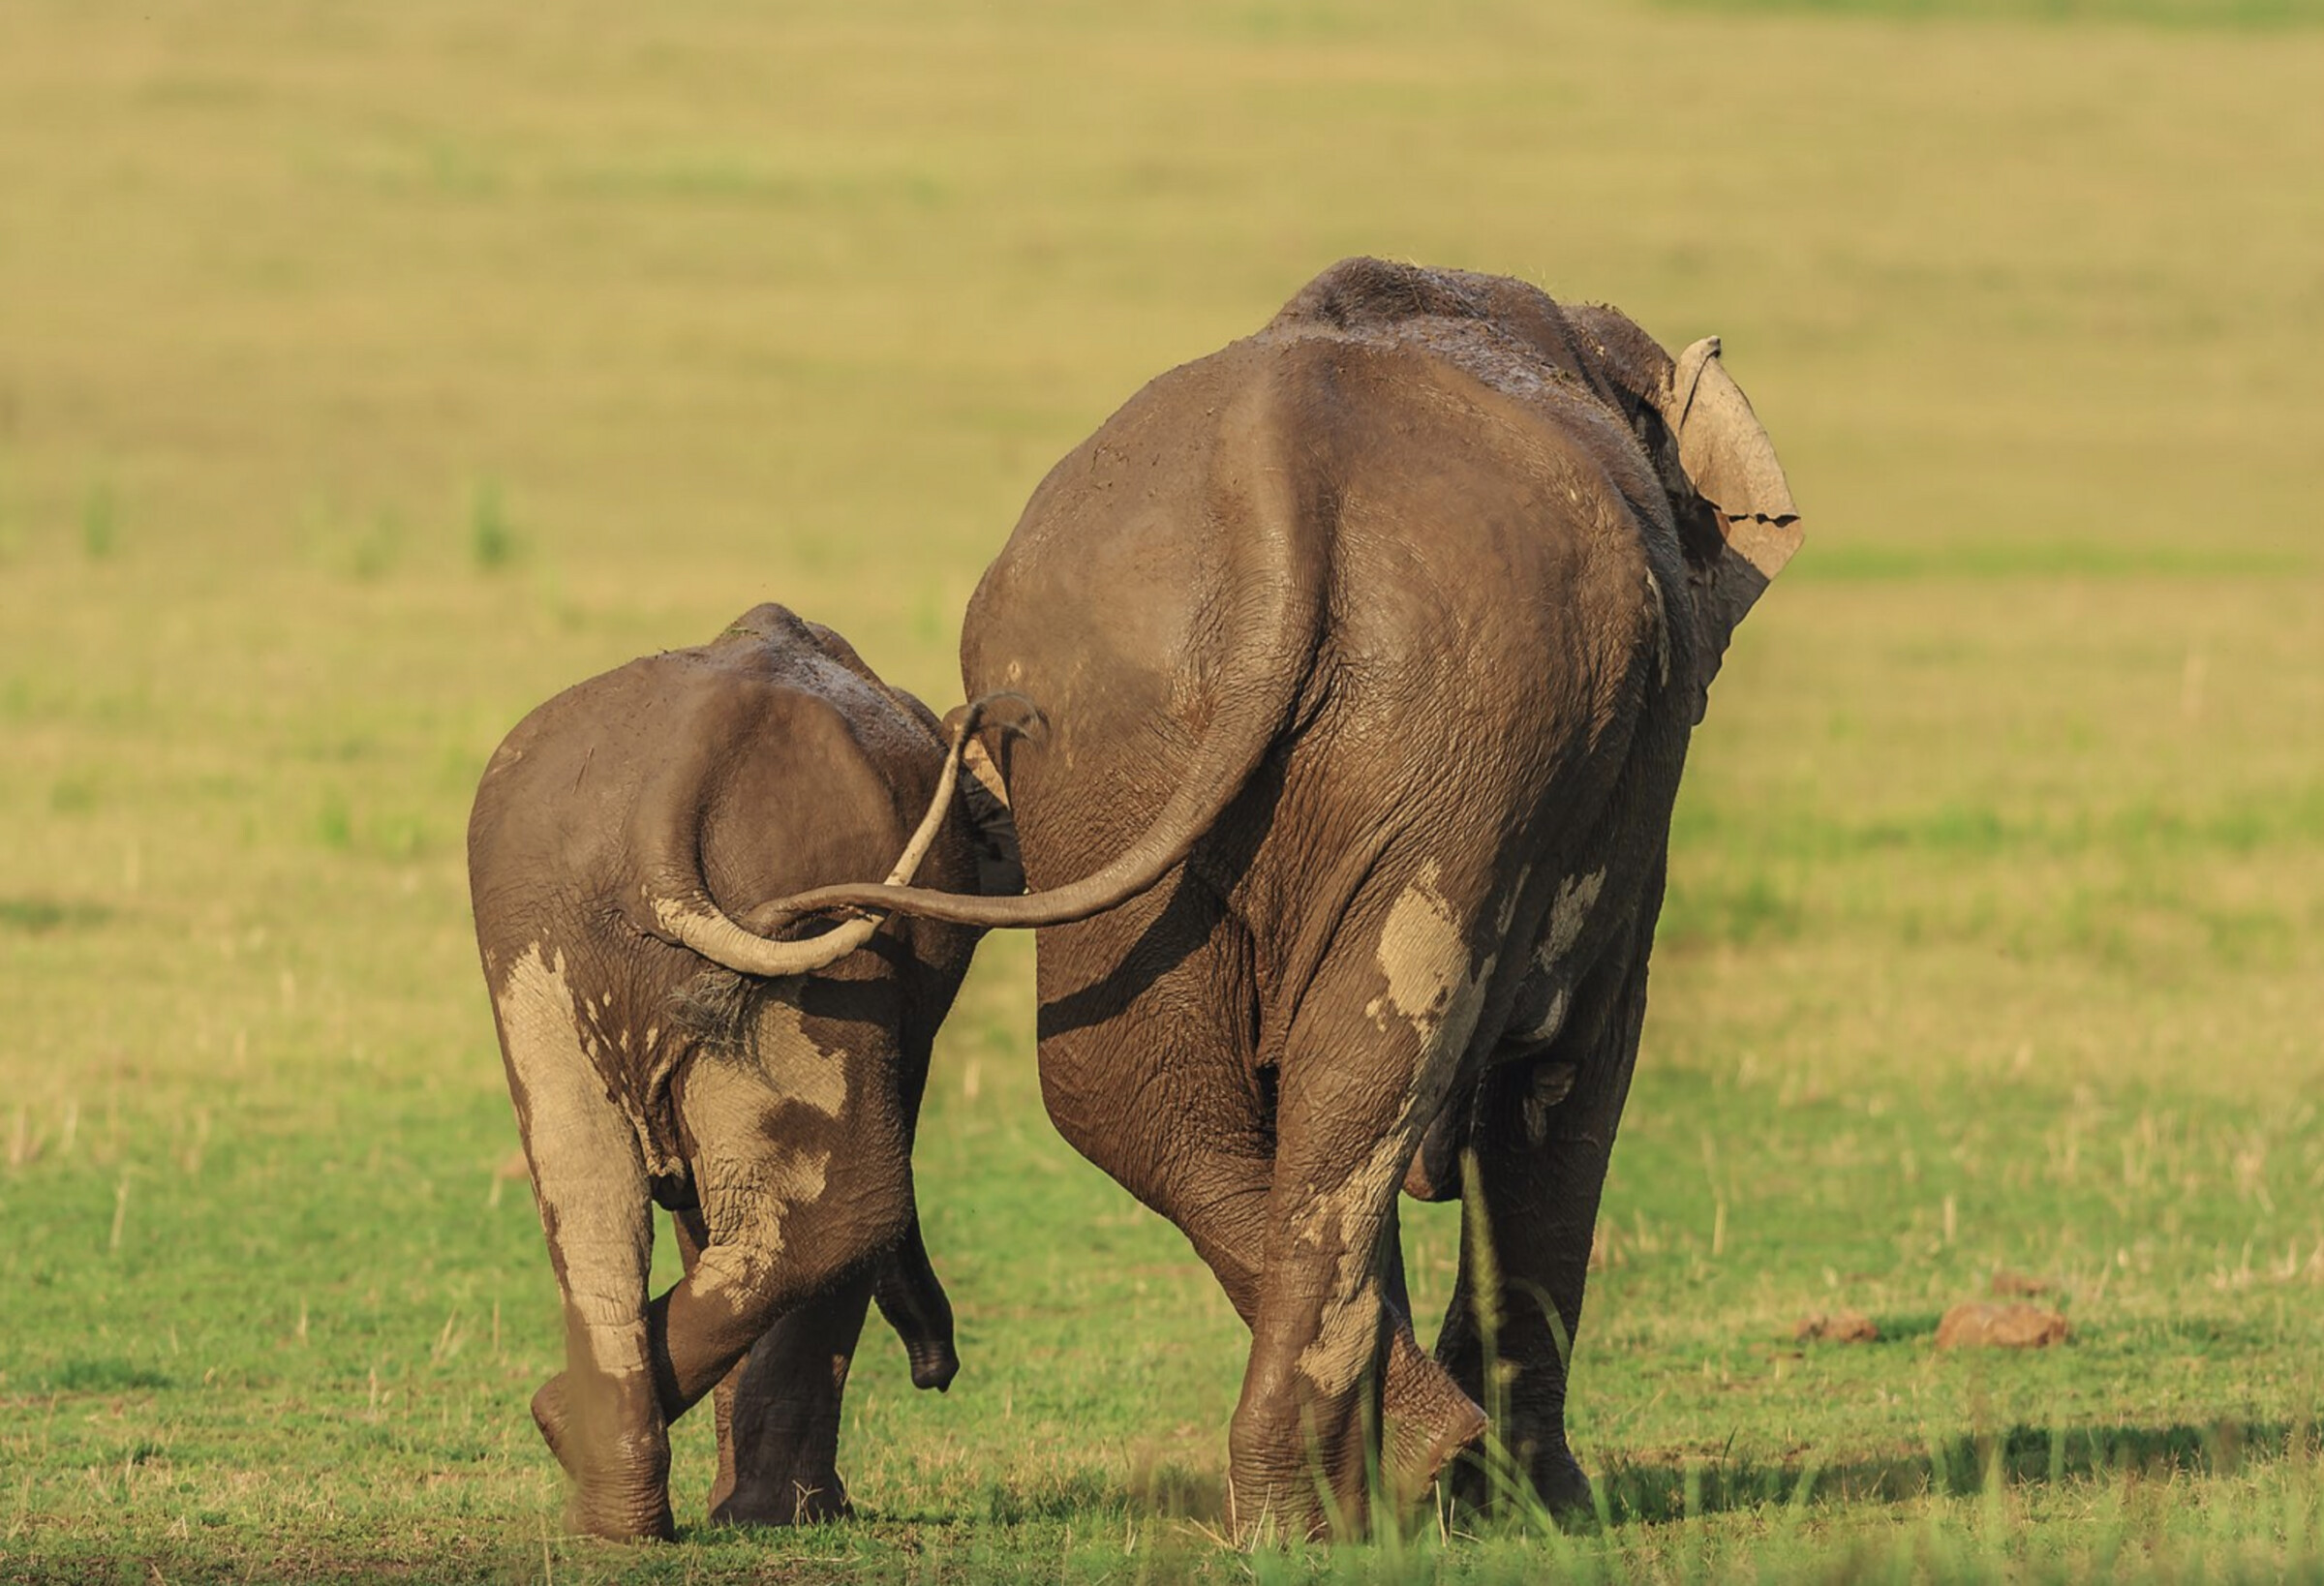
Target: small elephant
1369, 647
661, 1050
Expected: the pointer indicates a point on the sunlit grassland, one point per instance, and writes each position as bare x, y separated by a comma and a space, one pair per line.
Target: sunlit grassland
367, 374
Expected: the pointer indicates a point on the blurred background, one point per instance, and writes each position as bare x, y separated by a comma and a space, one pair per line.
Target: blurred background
370, 373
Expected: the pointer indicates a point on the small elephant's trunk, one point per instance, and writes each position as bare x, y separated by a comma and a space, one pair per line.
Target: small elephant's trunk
913, 1303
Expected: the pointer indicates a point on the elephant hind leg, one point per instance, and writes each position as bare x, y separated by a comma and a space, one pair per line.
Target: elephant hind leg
1183, 1045
1301, 1447
693, 1238
599, 1416
1364, 1067
786, 1410
1426, 1417
778, 1408
798, 1207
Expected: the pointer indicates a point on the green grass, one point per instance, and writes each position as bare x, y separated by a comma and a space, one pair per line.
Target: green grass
373, 373
491, 539
100, 520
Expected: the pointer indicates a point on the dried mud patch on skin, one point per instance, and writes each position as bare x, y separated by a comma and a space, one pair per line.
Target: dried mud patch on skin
1344, 1346
748, 1186
591, 1182
1569, 913
1423, 954
799, 1070
741, 1018
1437, 992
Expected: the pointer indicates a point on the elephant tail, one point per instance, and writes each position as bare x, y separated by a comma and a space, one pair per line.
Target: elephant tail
1276, 572
681, 909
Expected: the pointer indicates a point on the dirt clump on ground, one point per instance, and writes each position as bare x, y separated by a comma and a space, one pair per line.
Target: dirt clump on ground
1836, 1327
1986, 1324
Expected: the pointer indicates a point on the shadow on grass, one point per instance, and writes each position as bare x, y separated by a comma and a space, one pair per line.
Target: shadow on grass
37, 916
1955, 1467
94, 1375
1644, 1492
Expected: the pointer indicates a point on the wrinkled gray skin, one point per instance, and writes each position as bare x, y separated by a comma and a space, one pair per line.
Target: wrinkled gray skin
1369, 647
765, 1098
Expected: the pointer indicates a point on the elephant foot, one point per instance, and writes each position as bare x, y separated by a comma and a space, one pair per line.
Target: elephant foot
620, 1498
1559, 1483
1429, 1419
787, 1502
1285, 1485
554, 1420
631, 1505
1281, 1515
1553, 1479
630, 1517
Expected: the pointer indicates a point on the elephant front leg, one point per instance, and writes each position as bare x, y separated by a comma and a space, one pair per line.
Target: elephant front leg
1539, 1161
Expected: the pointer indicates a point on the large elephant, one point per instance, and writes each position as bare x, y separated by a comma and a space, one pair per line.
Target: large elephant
765, 1091
1369, 647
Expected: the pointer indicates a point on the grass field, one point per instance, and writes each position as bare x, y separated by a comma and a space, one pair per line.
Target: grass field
369, 373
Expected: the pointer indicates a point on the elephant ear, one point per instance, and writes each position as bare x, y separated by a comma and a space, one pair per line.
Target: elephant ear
1728, 455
